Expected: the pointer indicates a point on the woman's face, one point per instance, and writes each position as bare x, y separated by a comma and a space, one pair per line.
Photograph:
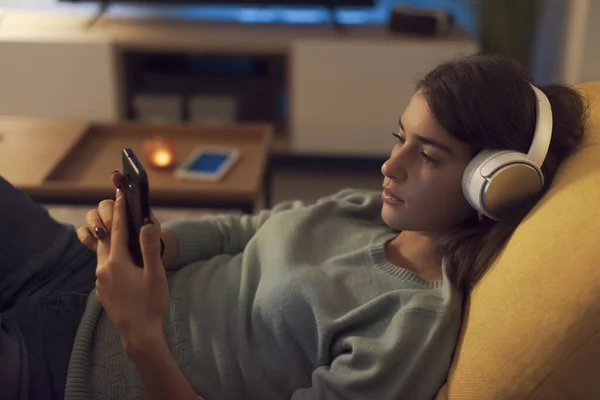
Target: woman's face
422, 184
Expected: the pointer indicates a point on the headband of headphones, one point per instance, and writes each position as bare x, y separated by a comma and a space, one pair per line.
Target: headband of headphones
543, 129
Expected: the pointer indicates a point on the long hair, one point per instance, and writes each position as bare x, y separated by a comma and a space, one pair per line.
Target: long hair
486, 102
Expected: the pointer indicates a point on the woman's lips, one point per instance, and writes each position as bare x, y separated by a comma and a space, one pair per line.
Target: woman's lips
388, 197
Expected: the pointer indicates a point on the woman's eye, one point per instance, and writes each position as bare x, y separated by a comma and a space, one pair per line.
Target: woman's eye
427, 159
401, 140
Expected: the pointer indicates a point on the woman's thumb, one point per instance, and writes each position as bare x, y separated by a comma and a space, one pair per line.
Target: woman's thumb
150, 244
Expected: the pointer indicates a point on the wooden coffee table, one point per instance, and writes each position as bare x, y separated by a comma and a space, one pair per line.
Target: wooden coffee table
69, 162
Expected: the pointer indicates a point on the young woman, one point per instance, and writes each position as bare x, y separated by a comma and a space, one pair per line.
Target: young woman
355, 297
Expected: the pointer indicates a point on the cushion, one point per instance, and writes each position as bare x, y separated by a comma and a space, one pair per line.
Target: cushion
532, 325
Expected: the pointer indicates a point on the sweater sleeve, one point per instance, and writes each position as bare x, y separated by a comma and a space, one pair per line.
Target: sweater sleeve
208, 236
205, 237
408, 358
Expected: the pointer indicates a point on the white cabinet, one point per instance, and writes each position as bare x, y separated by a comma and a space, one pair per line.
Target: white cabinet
347, 95
58, 78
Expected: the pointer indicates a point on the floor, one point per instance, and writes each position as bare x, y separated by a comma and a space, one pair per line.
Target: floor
304, 180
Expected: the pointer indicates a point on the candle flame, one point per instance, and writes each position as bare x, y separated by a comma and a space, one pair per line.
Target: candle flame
162, 158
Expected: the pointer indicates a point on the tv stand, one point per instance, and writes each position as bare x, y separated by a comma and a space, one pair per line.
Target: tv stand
343, 91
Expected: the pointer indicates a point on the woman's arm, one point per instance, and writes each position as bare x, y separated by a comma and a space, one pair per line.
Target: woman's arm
158, 371
188, 241
191, 240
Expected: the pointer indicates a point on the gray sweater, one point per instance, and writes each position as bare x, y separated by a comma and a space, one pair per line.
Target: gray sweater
298, 302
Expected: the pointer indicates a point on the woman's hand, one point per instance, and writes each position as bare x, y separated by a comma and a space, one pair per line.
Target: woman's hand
135, 299
99, 220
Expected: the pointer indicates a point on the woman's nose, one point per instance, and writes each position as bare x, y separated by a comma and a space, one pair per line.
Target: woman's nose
392, 169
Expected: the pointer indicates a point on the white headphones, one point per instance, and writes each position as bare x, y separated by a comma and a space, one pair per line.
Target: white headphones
496, 180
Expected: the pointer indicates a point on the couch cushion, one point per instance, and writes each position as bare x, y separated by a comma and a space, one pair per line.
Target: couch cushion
532, 325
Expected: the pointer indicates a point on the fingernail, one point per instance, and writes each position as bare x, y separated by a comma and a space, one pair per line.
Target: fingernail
119, 192
100, 232
114, 172
148, 221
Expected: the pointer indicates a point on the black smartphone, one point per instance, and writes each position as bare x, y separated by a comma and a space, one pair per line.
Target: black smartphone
136, 192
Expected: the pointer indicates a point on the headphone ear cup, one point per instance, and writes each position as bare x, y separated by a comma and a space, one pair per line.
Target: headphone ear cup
499, 180
473, 182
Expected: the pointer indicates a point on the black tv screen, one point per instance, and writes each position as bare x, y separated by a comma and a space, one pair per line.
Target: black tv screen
336, 3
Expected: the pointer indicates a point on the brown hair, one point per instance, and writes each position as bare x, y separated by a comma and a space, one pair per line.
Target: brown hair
486, 102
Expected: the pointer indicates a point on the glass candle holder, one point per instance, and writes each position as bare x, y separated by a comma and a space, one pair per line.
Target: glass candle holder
159, 152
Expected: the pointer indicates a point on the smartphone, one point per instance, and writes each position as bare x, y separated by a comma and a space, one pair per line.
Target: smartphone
136, 192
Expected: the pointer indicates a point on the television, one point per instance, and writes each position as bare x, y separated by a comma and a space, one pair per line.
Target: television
326, 3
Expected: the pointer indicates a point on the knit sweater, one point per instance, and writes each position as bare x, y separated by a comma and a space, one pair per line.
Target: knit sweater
298, 302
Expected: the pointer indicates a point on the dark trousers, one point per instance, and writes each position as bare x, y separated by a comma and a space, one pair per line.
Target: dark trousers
46, 275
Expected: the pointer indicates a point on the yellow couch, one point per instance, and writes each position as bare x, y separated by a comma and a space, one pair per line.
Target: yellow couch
532, 326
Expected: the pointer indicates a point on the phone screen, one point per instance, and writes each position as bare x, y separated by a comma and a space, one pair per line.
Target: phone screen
137, 196
208, 162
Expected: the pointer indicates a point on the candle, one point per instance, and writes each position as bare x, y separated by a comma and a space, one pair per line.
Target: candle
159, 152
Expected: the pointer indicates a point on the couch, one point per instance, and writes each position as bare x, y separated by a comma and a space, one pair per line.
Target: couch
532, 325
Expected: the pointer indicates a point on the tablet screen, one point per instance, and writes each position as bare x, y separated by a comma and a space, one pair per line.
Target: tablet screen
208, 162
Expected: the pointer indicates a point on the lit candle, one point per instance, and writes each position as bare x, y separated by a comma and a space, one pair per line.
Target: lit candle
159, 152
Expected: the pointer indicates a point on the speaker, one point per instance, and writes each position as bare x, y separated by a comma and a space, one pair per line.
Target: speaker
424, 22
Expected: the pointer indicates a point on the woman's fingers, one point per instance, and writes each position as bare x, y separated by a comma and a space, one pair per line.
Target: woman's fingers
86, 237
120, 229
106, 213
99, 221
95, 224
117, 178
